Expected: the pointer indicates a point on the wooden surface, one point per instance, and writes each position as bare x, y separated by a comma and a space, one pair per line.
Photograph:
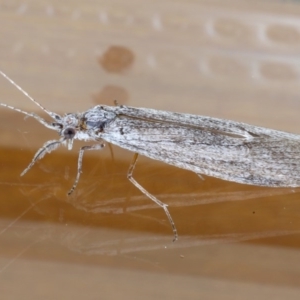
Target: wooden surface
228, 59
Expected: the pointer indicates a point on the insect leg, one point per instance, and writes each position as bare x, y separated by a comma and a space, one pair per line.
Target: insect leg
48, 147
200, 176
79, 168
158, 202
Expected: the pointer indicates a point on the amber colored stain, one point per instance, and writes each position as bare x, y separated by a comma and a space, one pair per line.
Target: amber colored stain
109, 94
116, 59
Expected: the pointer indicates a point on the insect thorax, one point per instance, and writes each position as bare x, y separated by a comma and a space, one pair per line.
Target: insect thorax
97, 118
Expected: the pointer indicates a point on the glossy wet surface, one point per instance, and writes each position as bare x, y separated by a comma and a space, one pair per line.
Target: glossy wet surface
107, 240
227, 232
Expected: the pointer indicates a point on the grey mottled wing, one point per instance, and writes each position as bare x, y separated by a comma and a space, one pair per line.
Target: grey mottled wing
225, 149
200, 122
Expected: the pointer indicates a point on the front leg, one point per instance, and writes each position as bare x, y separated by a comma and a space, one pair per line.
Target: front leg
79, 168
48, 147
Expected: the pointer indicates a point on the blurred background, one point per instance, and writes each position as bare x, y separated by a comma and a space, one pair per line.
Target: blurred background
234, 59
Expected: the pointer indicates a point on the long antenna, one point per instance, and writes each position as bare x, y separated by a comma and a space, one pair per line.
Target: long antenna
33, 115
51, 114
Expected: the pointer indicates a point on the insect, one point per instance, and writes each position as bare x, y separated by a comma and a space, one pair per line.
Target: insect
224, 149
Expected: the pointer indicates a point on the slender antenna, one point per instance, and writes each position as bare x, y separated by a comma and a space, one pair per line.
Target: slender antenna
38, 118
51, 114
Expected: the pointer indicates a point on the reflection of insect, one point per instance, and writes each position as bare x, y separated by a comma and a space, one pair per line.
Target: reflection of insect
225, 149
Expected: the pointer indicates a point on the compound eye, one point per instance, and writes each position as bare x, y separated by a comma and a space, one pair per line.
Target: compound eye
69, 133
